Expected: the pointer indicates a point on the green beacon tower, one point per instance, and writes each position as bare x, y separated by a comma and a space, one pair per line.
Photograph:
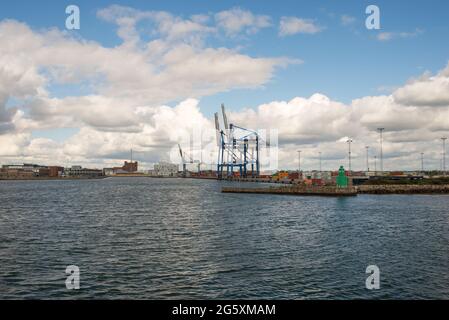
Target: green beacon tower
342, 179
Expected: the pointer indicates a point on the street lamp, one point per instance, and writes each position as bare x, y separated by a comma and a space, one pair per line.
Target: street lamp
320, 159
444, 154
349, 141
422, 162
367, 158
381, 130
375, 165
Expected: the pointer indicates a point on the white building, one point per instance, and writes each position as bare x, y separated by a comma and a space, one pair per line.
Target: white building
78, 171
165, 169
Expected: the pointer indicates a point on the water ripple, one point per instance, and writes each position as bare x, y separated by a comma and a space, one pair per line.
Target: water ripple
183, 239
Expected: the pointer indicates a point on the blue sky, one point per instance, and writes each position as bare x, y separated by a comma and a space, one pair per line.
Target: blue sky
343, 61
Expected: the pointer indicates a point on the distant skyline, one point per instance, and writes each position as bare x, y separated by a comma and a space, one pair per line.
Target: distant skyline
146, 74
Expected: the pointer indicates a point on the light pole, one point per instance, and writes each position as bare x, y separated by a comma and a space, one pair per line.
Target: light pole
444, 154
422, 162
367, 158
375, 165
299, 161
349, 154
381, 150
320, 159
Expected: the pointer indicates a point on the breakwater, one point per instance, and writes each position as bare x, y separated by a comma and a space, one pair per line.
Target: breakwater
296, 190
403, 189
334, 191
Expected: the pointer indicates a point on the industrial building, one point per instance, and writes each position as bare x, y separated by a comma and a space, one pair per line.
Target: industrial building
165, 169
127, 168
78, 171
27, 170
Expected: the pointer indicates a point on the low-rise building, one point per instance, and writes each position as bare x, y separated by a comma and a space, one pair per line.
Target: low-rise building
55, 171
15, 173
25, 166
128, 167
78, 171
26, 170
166, 169
42, 172
108, 171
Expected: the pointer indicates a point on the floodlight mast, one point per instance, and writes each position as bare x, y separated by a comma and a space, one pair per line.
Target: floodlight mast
381, 130
367, 158
443, 139
349, 141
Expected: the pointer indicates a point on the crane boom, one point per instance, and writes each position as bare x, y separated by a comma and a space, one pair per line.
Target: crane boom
180, 152
225, 118
217, 129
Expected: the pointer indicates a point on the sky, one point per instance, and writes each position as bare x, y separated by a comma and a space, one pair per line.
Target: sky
146, 74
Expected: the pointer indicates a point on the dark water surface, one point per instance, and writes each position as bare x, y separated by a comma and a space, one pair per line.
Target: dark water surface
171, 238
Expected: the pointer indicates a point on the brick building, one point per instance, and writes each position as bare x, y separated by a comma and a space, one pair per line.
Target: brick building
130, 166
55, 171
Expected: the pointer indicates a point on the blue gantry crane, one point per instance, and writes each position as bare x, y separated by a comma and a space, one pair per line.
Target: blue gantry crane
238, 148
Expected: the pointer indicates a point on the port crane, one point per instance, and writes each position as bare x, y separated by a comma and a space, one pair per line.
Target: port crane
190, 160
238, 147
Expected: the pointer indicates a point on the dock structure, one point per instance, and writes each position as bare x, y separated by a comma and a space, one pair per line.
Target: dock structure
330, 191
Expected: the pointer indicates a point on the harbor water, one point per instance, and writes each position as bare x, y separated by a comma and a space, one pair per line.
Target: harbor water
145, 238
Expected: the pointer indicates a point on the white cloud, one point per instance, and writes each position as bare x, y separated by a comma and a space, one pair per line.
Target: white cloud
167, 72
12, 144
162, 128
301, 120
236, 20
387, 36
311, 124
164, 24
293, 25
426, 91
318, 124
126, 84
347, 20
130, 86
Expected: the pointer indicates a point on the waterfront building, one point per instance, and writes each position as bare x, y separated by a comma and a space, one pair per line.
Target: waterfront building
166, 169
128, 167
108, 171
6, 173
78, 171
25, 167
26, 170
55, 171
